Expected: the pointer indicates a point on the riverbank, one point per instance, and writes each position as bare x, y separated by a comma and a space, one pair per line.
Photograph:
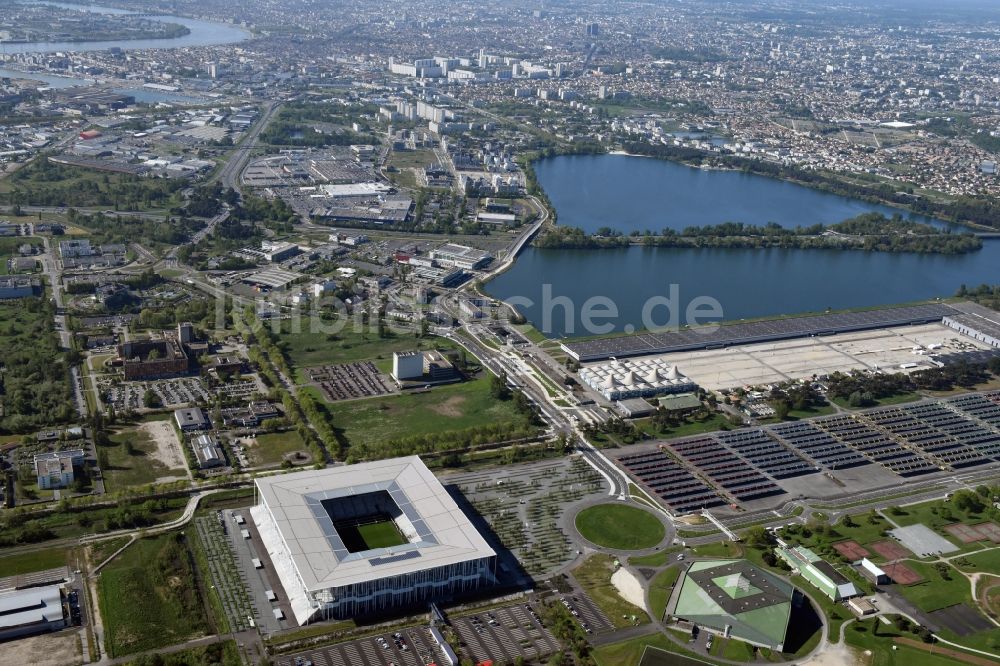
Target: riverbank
869, 232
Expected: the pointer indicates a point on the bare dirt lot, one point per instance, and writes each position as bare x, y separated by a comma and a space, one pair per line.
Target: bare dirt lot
46, 650
168, 448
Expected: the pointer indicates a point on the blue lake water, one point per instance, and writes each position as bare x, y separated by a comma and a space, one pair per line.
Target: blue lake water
202, 33
630, 192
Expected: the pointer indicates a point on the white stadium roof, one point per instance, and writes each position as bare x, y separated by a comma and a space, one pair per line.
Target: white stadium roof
439, 533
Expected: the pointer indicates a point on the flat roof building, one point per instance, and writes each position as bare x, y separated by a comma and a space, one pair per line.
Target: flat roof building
57, 469
977, 322
364, 539
19, 286
192, 418
461, 256
153, 359
34, 610
208, 452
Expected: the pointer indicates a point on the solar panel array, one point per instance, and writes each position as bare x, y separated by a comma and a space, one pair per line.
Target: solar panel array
731, 472
908, 424
765, 453
876, 446
818, 445
984, 407
679, 489
744, 464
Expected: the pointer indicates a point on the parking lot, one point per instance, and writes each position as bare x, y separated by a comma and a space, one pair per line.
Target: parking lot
351, 380
522, 505
413, 647
171, 392
504, 634
591, 618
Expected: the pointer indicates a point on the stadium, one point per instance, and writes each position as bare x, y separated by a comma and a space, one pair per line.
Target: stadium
363, 539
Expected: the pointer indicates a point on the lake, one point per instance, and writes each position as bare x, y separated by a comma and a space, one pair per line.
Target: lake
202, 33
588, 191
745, 282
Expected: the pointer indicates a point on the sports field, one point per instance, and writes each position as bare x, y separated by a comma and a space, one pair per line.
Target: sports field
362, 535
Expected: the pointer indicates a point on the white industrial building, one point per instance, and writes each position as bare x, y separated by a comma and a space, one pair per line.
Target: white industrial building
641, 378
208, 452
33, 610
979, 323
407, 365
460, 256
309, 522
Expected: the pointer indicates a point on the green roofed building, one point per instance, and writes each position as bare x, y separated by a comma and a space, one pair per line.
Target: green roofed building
819, 572
736, 599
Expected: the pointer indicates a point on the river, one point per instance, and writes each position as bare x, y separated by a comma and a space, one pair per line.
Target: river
202, 33
638, 193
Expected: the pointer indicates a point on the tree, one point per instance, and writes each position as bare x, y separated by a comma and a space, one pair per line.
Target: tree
758, 537
498, 386
151, 400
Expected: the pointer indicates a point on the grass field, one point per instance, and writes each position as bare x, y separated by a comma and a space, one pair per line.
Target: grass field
935, 515
879, 640
716, 421
898, 399
935, 592
272, 447
594, 575
382, 534
629, 652
148, 599
660, 588
308, 349
133, 466
13, 565
619, 527
444, 408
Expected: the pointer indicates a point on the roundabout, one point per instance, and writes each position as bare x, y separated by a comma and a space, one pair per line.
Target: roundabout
620, 527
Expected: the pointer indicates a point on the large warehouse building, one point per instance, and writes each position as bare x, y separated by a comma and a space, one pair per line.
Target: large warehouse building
362, 539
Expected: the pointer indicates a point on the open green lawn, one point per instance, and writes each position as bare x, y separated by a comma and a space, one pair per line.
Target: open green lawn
987, 561
935, 592
131, 461
716, 421
660, 588
417, 159
443, 408
13, 565
935, 515
620, 527
308, 349
898, 399
271, 448
148, 598
594, 575
878, 639
629, 652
